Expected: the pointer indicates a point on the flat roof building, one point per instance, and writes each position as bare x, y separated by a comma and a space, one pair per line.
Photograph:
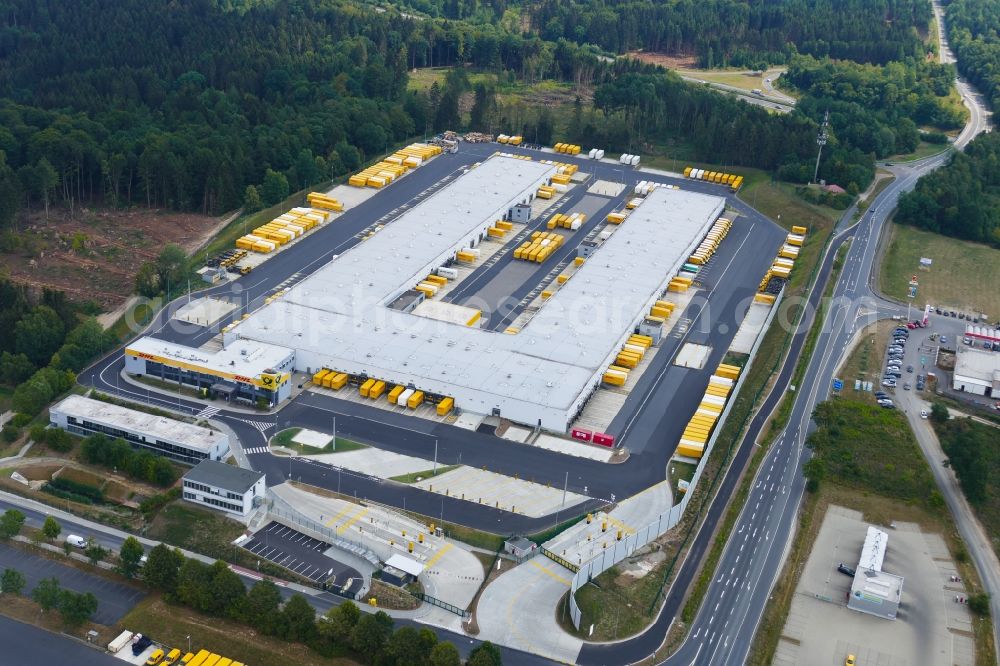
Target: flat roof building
179, 441
243, 371
874, 591
338, 317
977, 371
224, 487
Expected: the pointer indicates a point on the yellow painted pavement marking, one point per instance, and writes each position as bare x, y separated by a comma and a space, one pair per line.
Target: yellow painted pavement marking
549, 573
339, 515
343, 528
625, 528
437, 556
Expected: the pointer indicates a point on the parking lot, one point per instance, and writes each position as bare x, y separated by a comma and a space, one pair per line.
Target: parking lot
114, 599
301, 554
931, 628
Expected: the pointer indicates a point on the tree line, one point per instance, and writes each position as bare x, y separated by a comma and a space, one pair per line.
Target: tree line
44, 341
961, 199
214, 589
972, 35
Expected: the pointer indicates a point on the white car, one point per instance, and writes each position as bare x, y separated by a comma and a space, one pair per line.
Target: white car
924, 413
77, 541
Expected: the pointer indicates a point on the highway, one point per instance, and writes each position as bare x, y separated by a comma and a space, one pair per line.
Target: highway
774, 99
724, 628
643, 426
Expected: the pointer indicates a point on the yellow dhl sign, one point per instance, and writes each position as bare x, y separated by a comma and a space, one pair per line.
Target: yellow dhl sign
267, 381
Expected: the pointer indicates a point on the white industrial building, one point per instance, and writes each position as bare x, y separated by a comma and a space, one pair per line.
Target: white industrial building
244, 371
874, 591
338, 317
224, 487
977, 371
179, 441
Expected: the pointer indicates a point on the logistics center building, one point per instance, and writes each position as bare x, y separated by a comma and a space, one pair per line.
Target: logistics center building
339, 318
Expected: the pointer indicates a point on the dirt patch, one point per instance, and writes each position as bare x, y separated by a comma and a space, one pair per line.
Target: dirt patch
638, 567
94, 254
38, 472
670, 61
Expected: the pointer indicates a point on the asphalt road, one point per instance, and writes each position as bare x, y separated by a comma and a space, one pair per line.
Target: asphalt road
108, 537
782, 104
26, 644
643, 424
114, 599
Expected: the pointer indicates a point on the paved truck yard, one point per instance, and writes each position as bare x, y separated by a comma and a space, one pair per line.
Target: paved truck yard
649, 419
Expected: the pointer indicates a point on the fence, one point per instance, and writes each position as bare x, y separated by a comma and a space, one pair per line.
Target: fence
461, 612
284, 513
669, 518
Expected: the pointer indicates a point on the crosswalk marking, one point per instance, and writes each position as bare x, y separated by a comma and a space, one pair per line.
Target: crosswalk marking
207, 412
257, 449
262, 426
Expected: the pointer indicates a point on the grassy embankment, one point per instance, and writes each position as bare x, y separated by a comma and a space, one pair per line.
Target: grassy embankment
620, 605
963, 276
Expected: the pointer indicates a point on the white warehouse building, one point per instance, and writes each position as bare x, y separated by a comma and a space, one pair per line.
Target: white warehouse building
339, 317
977, 372
183, 442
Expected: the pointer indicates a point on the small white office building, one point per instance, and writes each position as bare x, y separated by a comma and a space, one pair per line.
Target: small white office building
224, 487
183, 442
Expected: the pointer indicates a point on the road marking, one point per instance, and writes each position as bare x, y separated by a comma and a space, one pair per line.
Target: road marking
339, 515
207, 413
438, 555
545, 571
343, 528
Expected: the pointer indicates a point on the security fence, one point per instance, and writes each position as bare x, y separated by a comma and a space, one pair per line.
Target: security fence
669, 518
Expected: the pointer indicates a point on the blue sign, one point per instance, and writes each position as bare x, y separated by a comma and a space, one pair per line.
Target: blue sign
837, 384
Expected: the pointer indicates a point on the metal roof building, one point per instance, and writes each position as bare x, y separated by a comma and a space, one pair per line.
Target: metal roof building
183, 442
337, 318
874, 591
977, 371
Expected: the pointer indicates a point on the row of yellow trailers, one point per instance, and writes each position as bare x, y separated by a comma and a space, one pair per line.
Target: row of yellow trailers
282, 229
516, 140
373, 389
730, 179
430, 285
617, 217
695, 436
540, 247
545, 192
785, 261
383, 173
206, 658
324, 201
567, 148
572, 222
711, 242
628, 358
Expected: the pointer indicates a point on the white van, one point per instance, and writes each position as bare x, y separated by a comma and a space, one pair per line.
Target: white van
77, 541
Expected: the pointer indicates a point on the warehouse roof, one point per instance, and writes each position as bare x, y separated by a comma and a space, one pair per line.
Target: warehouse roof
191, 436
243, 357
978, 366
335, 313
220, 475
873, 551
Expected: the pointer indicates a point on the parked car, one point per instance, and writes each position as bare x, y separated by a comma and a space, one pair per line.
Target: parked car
937, 310
887, 404
155, 658
943, 339
140, 643
910, 324
881, 394
906, 386
849, 661
889, 381
909, 369
76, 541
924, 413
846, 570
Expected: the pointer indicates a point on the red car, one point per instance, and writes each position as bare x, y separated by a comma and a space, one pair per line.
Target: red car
910, 325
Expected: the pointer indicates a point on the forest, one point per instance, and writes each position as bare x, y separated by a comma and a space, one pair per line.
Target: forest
961, 199
972, 33
719, 33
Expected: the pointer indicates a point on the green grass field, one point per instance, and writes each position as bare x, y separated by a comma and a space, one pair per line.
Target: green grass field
923, 150
425, 474
732, 77
963, 276
194, 529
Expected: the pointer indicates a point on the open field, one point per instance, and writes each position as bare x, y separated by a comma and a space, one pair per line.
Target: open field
95, 253
172, 625
963, 276
924, 149
199, 530
866, 361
